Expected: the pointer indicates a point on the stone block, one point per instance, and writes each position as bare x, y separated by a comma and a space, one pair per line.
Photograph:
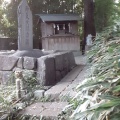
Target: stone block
51, 114
46, 70
7, 63
71, 60
66, 62
29, 63
58, 105
59, 62
39, 94
63, 73
20, 106
54, 92
7, 77
58, 76
25, 26
20, 63
35, 53
34, 109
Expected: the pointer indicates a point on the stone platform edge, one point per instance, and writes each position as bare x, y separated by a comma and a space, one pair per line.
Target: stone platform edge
48, 69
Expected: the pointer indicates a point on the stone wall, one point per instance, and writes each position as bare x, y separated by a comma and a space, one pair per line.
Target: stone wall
48, 69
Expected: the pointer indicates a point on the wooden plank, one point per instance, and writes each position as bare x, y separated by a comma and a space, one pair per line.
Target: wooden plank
61, 43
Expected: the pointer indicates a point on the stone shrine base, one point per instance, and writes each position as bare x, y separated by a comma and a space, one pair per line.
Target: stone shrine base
48, 69
36, 53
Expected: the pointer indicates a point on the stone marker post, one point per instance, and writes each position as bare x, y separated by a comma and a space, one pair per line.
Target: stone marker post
25, 27
20, 89
25, 33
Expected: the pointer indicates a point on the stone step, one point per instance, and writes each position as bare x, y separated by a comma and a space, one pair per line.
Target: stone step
54, 92
70, 91
51, 110
47, 110
63, 87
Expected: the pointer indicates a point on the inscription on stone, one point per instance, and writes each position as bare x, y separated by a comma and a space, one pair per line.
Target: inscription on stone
25, 27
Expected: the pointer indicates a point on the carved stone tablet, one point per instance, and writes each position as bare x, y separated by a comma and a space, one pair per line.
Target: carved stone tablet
25, 27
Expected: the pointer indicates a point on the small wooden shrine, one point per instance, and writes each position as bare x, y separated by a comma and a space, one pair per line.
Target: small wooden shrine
60, 31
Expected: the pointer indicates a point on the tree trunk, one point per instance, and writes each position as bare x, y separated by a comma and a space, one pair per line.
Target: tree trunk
89, 26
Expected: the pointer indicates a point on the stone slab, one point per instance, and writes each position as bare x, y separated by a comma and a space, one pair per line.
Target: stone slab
71, 60
36, 53
58, 105
70, 90
59, 62
66, 64
25, 26
73, 74
56, 90
46, 71
30, 63
20, 63
63, 73
7, 63
58, 76
67, 94
51, 113
6, 77
49, 110
81, 60
34, 109
39, 94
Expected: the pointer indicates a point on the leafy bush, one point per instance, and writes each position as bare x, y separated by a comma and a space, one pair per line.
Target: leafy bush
98, 96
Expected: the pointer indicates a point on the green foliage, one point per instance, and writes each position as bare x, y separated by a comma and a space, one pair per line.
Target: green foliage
29, 80
7, 97
99, 95
9, 14
105, 13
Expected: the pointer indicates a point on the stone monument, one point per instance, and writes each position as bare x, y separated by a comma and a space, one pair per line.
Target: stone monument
25, 27
25, 32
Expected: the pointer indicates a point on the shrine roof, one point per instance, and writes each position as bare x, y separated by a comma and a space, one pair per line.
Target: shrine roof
59, 17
